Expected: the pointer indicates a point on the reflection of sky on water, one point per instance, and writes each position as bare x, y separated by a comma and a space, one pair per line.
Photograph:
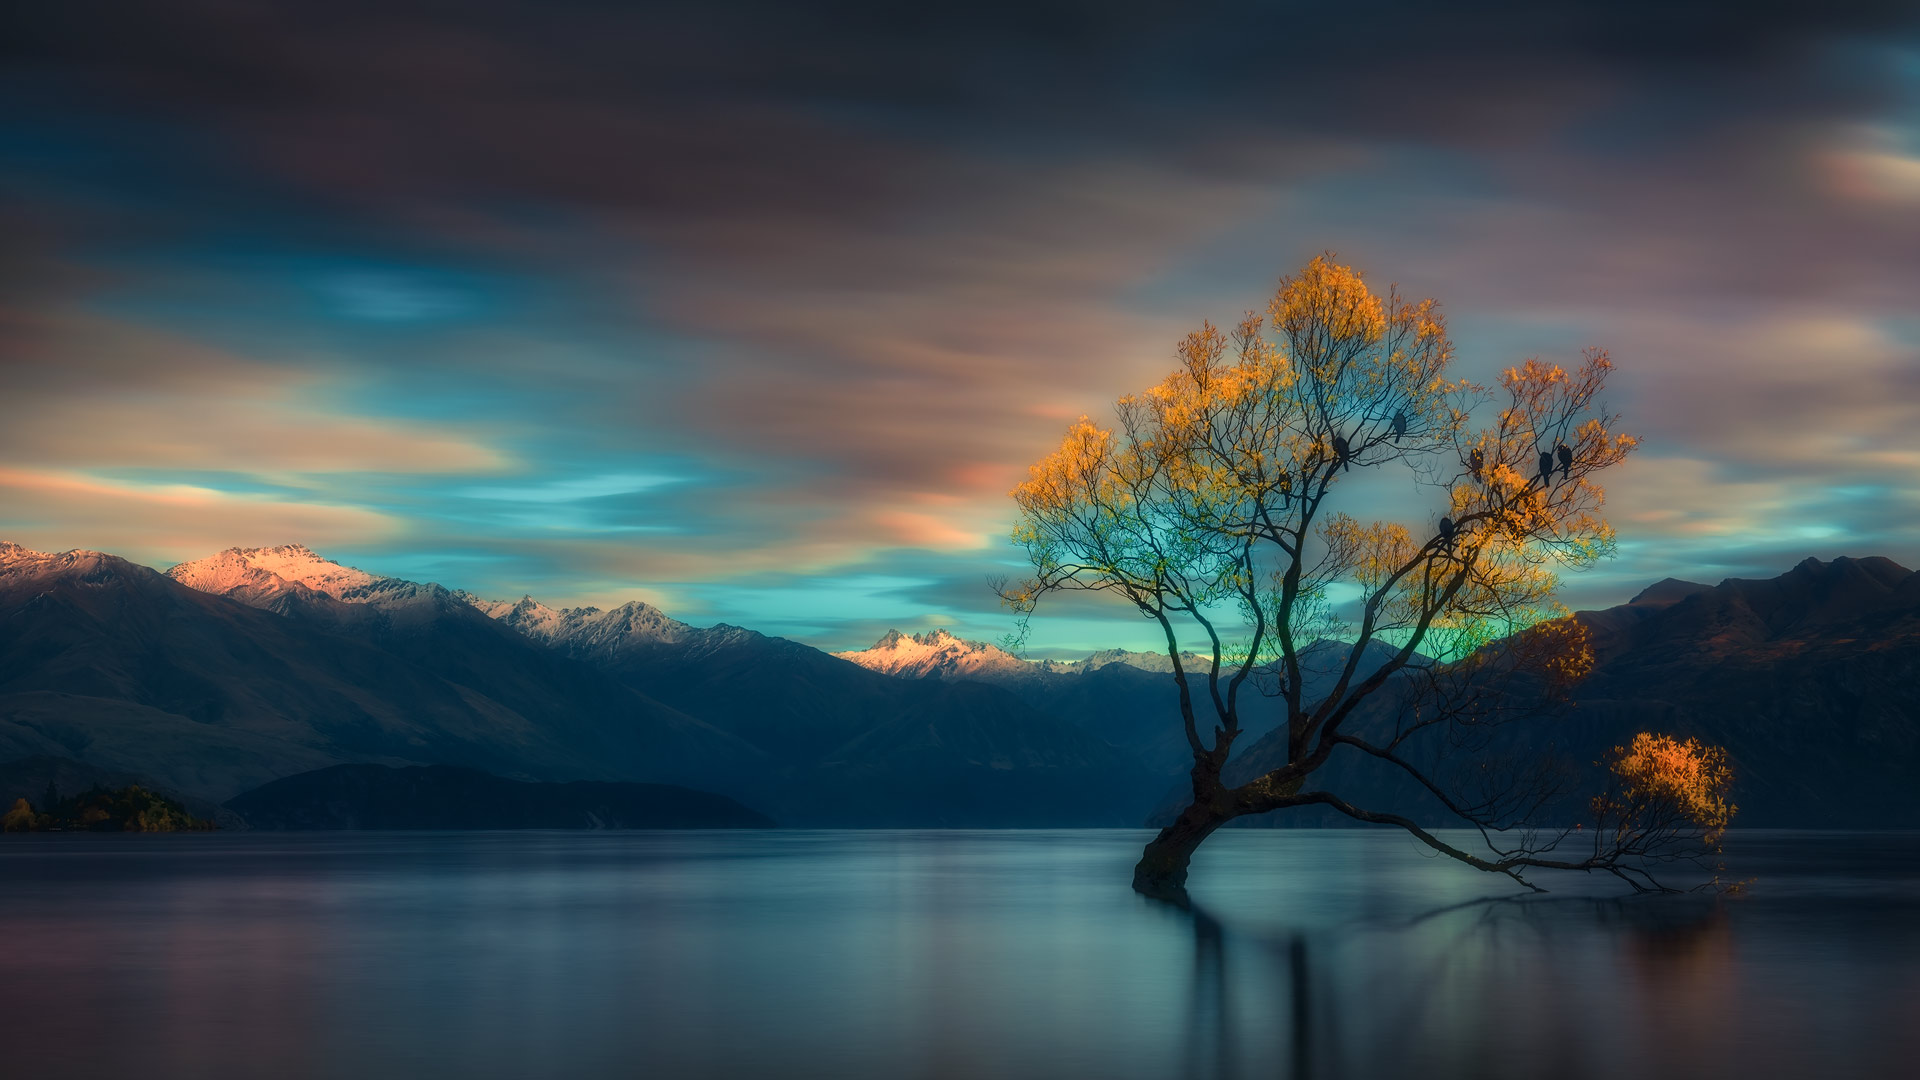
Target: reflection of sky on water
1327, 954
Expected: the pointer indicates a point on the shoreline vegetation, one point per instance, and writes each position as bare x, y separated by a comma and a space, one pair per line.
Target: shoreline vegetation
128, 809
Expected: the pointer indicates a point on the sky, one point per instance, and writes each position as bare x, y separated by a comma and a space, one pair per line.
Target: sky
758, 311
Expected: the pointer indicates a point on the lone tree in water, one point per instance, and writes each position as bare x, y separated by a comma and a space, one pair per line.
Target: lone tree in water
1214, 502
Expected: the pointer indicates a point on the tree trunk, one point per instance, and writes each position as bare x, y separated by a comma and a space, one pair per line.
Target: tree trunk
1162, 869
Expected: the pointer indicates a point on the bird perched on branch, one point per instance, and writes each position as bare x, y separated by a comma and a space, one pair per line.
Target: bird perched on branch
1546, 468
1566, 459
1447, 532
1399, 424
1476, 461
1342, 452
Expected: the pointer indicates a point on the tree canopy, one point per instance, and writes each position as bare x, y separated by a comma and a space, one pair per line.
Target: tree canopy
1214, 506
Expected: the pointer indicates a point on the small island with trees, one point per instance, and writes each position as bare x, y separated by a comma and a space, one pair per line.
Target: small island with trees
127, 809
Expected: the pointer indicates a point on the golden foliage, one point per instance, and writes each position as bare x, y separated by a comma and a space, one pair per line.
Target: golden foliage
1565, 647
1213, 485
1327, 306
1370, 552
1069, 474
1667, 784
1216, 493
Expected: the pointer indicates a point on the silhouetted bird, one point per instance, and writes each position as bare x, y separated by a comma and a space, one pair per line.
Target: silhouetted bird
1476, 460
1341, 452
1566, 459
1399, 424
1447, 530
1546, 468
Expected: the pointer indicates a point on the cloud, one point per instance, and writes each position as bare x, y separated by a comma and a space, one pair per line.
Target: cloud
840, 274
98, 393
164, 523
391, 298
575, 490
908, 529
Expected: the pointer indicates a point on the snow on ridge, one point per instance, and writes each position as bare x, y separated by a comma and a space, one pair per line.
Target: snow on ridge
225, 573
583, 627
279, 569
940, 653
11, 552
268, 577
262, 575
297, 562
934, 654
20, 561
492, 609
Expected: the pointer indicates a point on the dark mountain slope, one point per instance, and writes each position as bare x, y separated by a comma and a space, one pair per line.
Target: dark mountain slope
1130, 700
802, 713
124, 668
974, 755
1810, 680
446, 797
44, 780
862, 748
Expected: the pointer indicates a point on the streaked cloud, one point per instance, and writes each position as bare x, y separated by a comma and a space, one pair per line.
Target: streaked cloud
103, 393
574, 490
163, 523
759, 312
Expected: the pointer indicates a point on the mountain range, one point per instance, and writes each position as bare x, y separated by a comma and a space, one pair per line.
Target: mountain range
1810, 680
229, 672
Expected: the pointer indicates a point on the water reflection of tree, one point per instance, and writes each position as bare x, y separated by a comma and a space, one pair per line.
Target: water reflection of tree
1690, 988
1668, 950
1212, 1038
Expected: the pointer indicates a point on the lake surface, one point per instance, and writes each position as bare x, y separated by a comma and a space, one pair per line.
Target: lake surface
935, 954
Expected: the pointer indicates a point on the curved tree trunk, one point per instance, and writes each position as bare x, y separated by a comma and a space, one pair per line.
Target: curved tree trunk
1162, 869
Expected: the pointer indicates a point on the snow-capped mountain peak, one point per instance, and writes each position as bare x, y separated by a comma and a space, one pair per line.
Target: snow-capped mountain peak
941, 654
935, 654
297, 562
11, 552
18, 561
583, 628
289, 562
262, 575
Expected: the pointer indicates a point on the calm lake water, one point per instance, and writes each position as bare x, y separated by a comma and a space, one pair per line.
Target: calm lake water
934, 954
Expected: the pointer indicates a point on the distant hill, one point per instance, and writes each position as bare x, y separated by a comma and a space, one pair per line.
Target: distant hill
446, 797
33, 778
856, 747
45, 780
260, 663
1128, 698
256, 664
111, 663
1811, 680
